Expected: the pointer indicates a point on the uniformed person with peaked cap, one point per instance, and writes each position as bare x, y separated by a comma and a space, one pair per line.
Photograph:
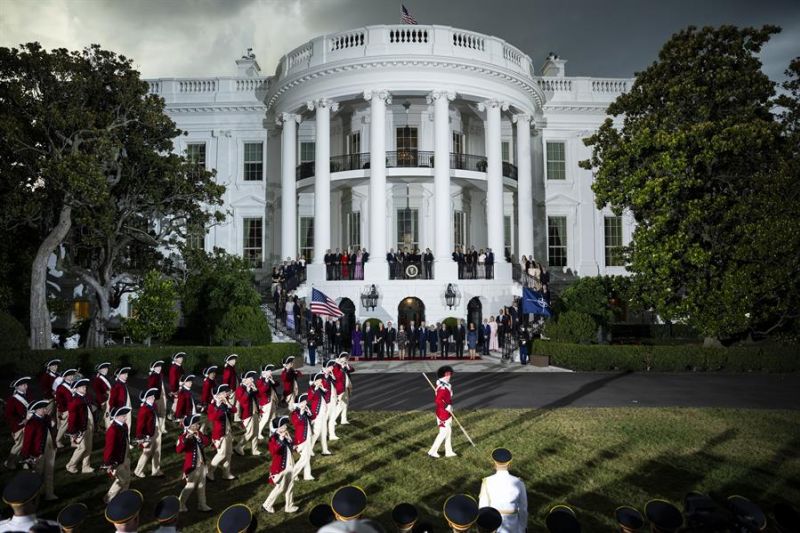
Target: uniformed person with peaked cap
461, 512
423, 527
123, 510
348, 503
72, 516
321, 515
747, 513
489, 520
237, 519
506, 493
629, 519
663, 516
404, 516
562, 519
22, 494
166, 513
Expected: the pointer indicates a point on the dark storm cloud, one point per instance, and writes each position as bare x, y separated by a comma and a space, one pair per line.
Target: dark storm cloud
202, 37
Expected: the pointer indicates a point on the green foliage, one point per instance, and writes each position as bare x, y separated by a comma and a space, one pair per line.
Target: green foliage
373, 323
213, 284
450, 322
30, 362
572, 326
242, 323
598, 296
709, 174
640, 358
12, 334
155, 312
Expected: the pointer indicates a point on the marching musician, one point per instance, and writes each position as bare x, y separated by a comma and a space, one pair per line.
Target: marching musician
155, 380
48, 379
191, 443
80, 428
344, 386
220, 415
116, 457
120, 397
301, 420
102, 388
39, 446
332, 398
148, 433
63, 394
444, 410
16, 413
174, 382
265, 385
506, 493
289, 377
282, 466
209, 384
229, 376
246, 398
319, 412
184, 404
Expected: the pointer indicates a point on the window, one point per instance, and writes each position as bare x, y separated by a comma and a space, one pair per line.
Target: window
506, 150
406, 147
80, 310
306, 237
557, 241
196, 154
613, 234
195, 236
507, 234
556, 161
459, 229
354, 229
307, 151
253, 161
253, 248
458, 143
407, 229
354, 143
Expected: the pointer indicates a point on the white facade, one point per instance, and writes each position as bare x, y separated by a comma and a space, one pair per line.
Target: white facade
450, 125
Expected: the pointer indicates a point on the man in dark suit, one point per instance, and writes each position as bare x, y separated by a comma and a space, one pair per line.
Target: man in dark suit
412, 340
338, 337
392, 260
380, 341
328, 265
444, 339
330, 334
458, 336
391, 338
489, 264
468, 266
487, 334
422, 340
457, 261
351, 259
369, 337
427, 262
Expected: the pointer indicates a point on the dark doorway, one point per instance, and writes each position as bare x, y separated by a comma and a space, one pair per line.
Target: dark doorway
348, 321
474, 312
410, 309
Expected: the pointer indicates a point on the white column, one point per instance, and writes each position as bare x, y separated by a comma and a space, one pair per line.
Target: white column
494, 178
524, 185
377, 268
288, 184
442, 213
322, 177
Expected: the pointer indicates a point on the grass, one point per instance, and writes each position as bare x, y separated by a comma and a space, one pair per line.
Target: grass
592, 459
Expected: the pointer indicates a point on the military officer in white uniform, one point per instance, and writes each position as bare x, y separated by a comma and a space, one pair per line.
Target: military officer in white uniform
506, 493
21, 494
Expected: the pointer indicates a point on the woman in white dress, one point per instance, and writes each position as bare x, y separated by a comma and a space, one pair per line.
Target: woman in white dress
493, 345
482, 265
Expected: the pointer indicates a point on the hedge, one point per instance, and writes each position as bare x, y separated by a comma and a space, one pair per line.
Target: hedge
683, 358
30, 362
12, 333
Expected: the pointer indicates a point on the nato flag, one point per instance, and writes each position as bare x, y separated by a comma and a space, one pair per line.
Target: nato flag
534, 302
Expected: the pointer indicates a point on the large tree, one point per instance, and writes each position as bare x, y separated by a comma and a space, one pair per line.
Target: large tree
702, 163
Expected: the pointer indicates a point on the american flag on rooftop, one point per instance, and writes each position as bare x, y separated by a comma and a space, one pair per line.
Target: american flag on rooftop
405, 16
322, 305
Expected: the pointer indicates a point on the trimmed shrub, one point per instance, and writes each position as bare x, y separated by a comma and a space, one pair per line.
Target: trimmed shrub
683, 358
12, 333
242, 323
572, 326
373, 323
30, 362
451, 322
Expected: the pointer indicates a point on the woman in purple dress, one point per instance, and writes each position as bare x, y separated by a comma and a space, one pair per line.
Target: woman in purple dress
356, 338
359, 265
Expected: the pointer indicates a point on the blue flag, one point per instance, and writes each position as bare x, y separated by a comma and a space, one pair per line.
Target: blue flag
534, 302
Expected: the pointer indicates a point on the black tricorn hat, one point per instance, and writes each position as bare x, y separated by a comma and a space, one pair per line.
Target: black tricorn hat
562, 519
236, 519
404, 515
22, 488
664, 517
489, 520
349, 502
444, 370
320, 515
72, 515
461, 511
629, 518
124, 506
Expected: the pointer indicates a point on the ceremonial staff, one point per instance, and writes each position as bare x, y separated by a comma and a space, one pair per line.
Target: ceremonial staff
464, 431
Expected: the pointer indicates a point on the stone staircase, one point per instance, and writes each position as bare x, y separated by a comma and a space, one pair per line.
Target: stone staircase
279, 331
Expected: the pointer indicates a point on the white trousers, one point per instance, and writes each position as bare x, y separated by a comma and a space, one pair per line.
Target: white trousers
83, 451
250, 437
16, 448
122, 479
444, 436
304, 462
222, 459
284, 484
321, 429
195, 480
341, 406
333, 412
151, 454
45, 467
264, 418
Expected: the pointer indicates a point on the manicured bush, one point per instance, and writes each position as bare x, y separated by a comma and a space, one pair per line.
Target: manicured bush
572, 326
373, 323
242, 323
681, 358
451, 322
154, 309
29, 362
12, 334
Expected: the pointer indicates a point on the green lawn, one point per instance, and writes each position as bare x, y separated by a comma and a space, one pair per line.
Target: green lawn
593, 459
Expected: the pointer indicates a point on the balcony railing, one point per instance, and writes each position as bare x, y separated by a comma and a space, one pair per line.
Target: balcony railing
404, 159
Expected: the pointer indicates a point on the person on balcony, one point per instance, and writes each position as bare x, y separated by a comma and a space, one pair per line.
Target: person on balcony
391, 258
489, 264
356, 337
458, 258
470, 264
344, 261
328, 265
359, 270
427, 262
482, 264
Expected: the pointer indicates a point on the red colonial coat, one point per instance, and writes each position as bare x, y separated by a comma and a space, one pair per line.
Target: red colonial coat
101, 387
46, 383
220, 417
302, 425
247, 402
264, 388
63, 397
119, 395
229, 377
185, 405
175, 374
191, 447
444, 397
34, 439
208, 391
289, 378
280, 450
154, 381
146, 421
16, 411
116, 447
79, 413
340, 373
316, 398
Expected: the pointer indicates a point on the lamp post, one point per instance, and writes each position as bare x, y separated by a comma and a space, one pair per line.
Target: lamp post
369, 297
451, 296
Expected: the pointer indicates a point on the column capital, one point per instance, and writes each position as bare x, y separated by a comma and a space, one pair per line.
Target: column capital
282, 118
322, 103
381, 94
440, 93
521, 119
492, 103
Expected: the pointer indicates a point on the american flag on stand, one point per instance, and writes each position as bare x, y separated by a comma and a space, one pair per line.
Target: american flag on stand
322, 305
405, 16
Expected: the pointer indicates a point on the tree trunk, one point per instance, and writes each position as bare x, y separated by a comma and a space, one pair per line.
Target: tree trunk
711, 342
96, 338
40, 315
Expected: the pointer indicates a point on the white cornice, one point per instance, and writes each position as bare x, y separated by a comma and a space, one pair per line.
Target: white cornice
214, 108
